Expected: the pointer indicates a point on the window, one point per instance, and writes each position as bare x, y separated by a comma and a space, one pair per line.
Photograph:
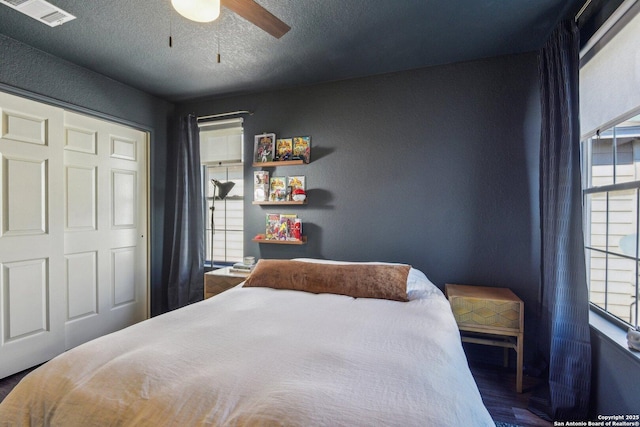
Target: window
221, 156
610, 129
611, 183
228, 245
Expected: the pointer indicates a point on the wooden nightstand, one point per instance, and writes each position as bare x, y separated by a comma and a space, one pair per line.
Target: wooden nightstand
490, 316
220, 280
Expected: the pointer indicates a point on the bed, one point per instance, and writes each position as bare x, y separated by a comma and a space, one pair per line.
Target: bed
260, 356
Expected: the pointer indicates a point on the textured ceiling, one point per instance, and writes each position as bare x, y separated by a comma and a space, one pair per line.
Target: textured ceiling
128, 40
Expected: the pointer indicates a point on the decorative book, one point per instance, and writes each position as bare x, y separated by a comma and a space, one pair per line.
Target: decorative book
283, 227
242, 268
302, 148
297, 181
284, 149
264, 147
273, 225
287, 222
278, 189
260, 186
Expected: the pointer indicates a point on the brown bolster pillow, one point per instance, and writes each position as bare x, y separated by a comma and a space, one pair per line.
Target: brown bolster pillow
355, 280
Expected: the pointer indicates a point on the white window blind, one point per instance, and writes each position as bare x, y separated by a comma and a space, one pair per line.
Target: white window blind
221, 142
610, 79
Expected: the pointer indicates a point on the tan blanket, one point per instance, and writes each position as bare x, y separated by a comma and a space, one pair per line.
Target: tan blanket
382, 281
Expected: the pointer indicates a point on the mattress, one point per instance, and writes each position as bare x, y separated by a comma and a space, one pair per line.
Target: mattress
261, 357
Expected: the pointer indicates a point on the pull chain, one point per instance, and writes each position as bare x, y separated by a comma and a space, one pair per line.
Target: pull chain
170, 32
218, 39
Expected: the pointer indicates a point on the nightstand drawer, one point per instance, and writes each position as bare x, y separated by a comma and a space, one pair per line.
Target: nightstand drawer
220, 280
481, 307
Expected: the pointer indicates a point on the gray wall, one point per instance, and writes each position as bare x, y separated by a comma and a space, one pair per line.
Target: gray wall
436, 167
49, 78
615, 378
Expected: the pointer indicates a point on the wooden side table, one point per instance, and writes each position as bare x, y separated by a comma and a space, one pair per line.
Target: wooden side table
490, 316
216, 281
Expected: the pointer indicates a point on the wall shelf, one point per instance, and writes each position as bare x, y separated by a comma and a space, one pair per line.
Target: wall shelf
262, 186
290, 202
280, 242
278, 163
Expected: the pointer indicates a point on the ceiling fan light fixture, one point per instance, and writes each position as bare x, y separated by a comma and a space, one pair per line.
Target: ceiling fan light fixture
198, 10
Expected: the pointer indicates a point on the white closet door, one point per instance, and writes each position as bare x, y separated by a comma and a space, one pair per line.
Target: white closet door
105, 224
32, 293
73, 230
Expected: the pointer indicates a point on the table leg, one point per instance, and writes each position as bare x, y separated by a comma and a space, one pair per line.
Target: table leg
520, 356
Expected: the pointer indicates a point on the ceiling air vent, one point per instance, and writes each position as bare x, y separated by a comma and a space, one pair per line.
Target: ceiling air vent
40, 10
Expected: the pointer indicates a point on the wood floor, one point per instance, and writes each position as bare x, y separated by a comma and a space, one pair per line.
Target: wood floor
7, 384
497, 386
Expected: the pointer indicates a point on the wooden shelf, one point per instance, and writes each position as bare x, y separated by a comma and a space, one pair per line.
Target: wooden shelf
291, 202
278, 163
281, 242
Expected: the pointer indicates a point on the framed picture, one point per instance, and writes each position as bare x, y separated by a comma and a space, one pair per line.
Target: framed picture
273, 225
297, 181
264, 147
302, 148
287, 222
284, 149
260, 186
278, 189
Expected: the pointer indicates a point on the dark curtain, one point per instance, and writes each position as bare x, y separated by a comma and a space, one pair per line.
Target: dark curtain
564, 294
185, 283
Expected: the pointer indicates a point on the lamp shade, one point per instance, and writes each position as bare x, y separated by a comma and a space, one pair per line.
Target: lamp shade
198, 10
223, 187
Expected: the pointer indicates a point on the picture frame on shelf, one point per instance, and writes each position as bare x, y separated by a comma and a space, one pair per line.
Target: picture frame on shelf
264, 148
302, 148
283, 228
284, 149
272, 226
286, 228
297, 181
278, 189
261, 186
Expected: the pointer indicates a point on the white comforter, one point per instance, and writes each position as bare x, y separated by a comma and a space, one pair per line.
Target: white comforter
259, 356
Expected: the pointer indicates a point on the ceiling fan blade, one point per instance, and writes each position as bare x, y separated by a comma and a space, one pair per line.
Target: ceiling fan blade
258, 15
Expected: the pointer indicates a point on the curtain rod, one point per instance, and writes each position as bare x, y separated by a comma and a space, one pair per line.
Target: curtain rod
231, 113
582, 9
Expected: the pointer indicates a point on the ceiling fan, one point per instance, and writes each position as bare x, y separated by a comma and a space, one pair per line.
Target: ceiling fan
209, 10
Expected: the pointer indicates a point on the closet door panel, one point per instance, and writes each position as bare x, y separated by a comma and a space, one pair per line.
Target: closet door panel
32, 297
25, 193
106, 215
82, 285
26, 289
81, 198
20, 125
